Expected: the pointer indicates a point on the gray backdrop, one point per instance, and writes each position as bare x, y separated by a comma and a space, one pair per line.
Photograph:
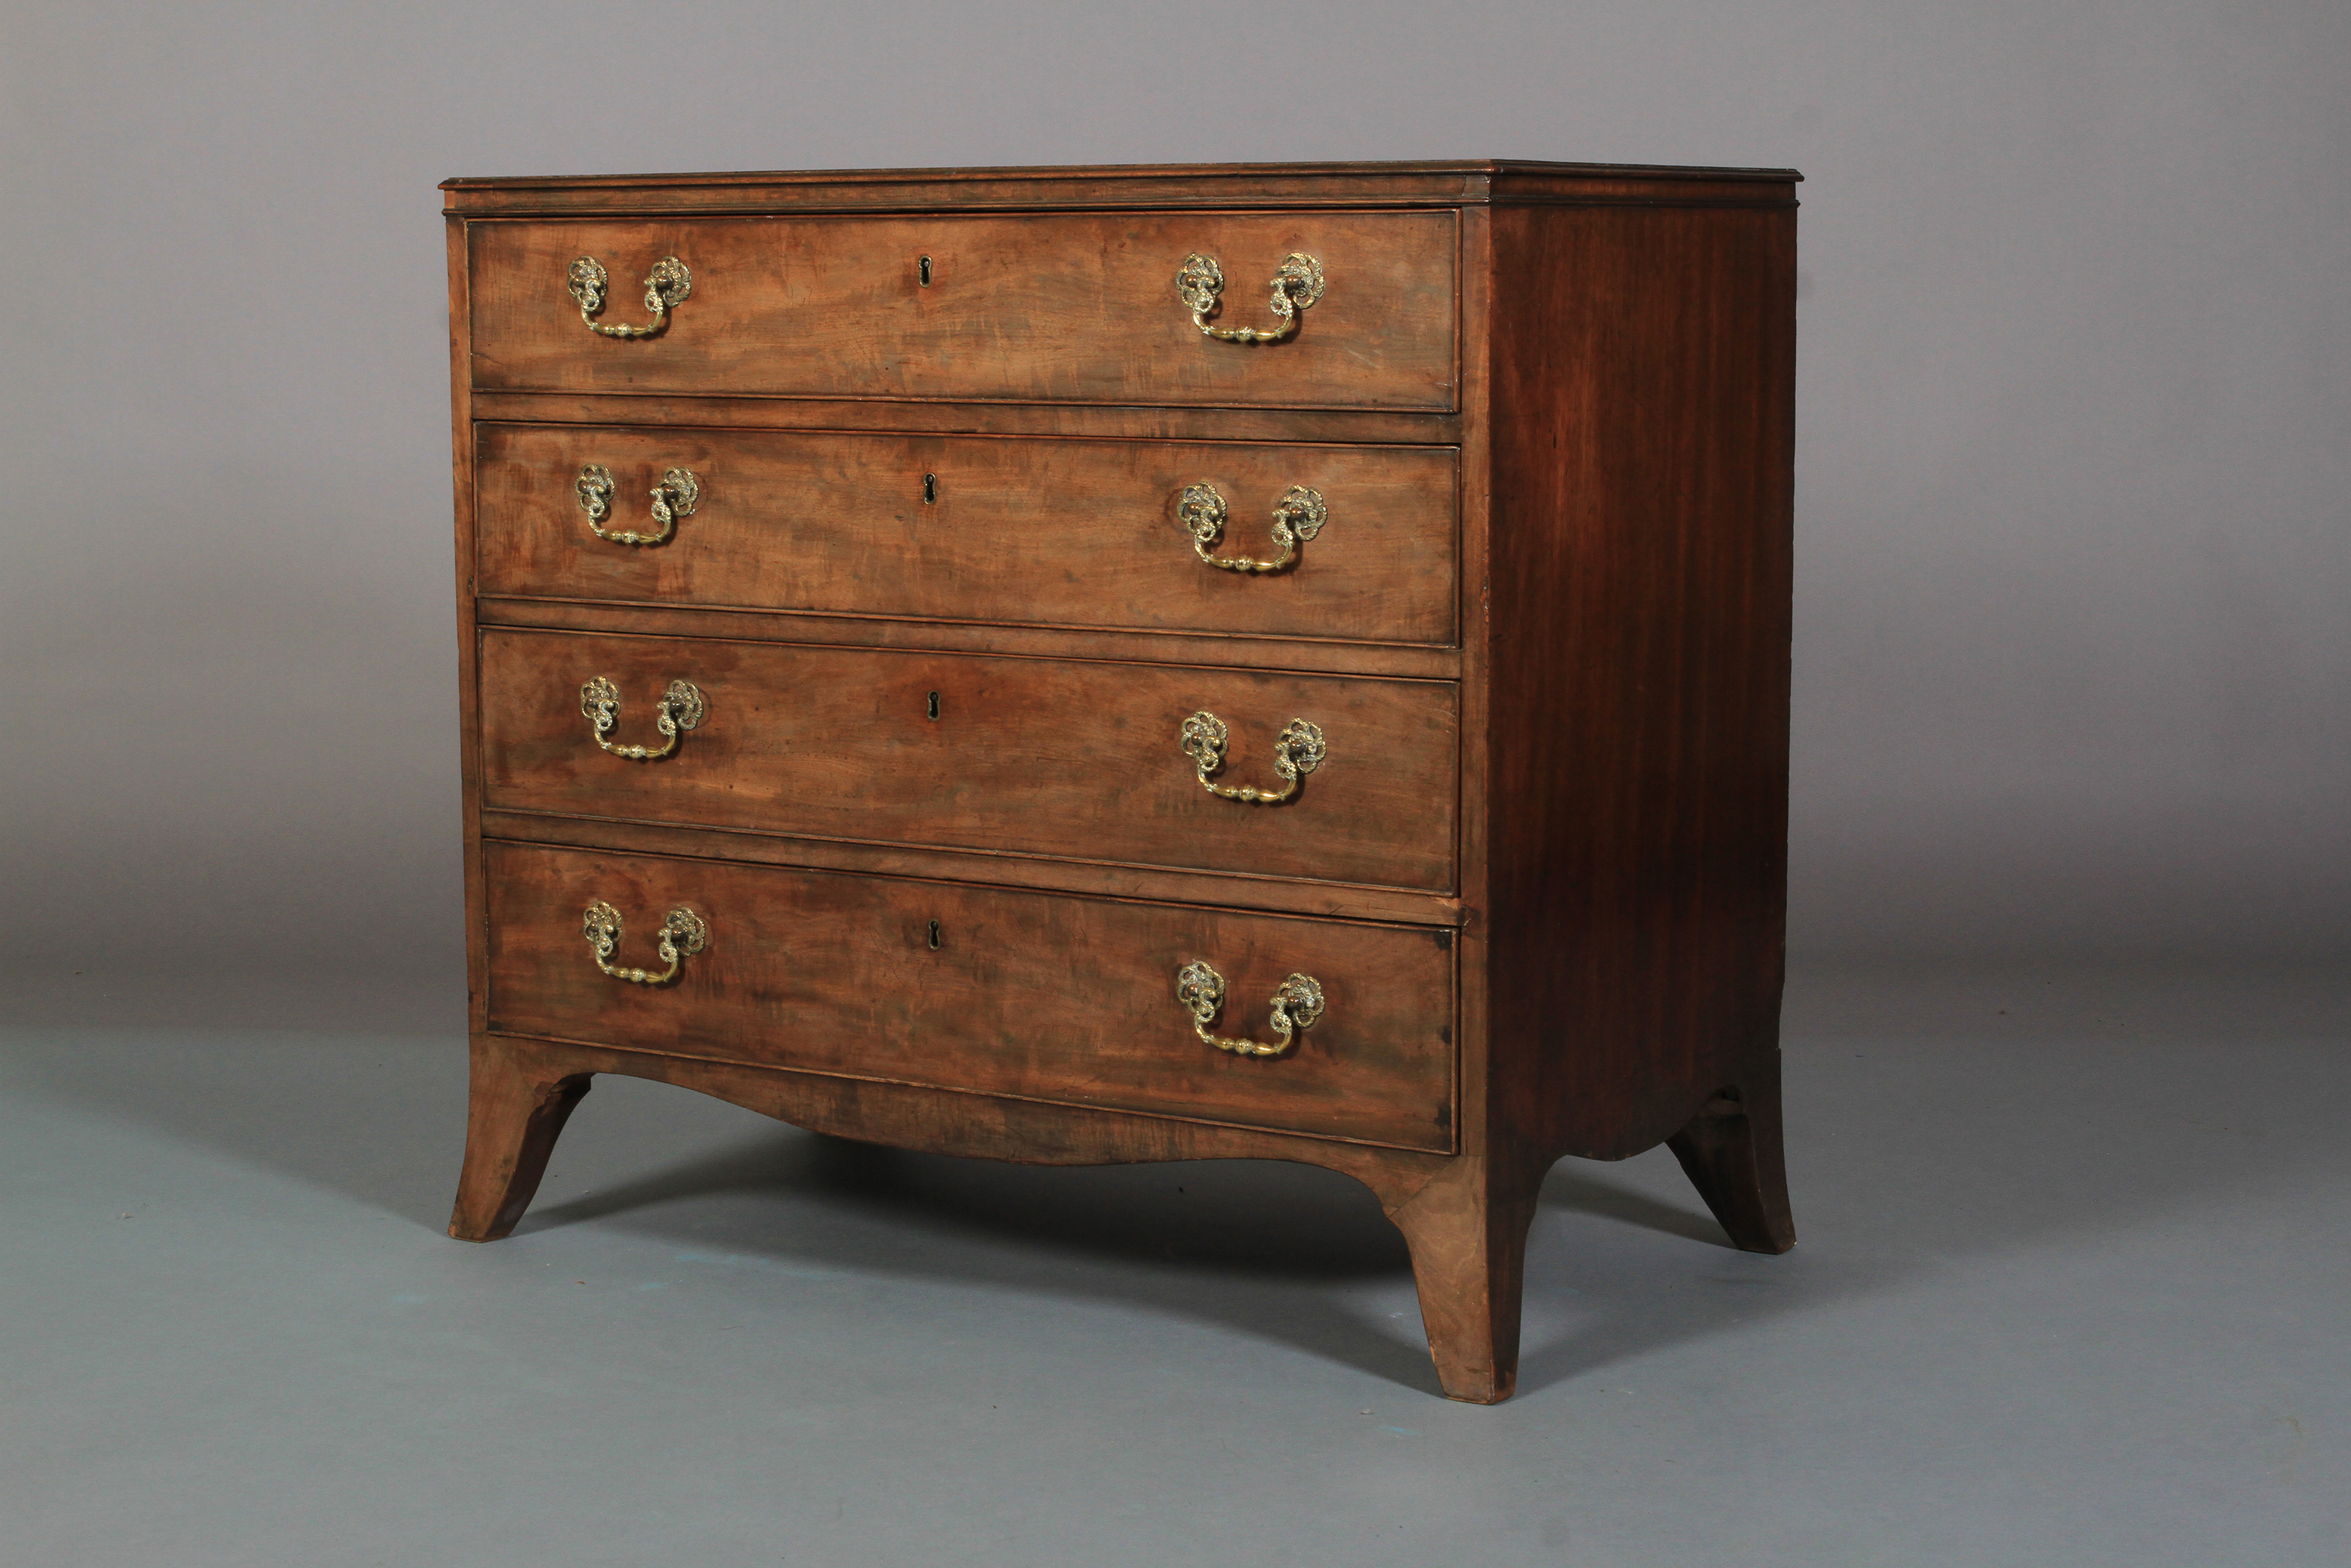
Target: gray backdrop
2074, 611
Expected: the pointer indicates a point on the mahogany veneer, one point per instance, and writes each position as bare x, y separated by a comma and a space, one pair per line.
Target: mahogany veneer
931, 825
1071, 307
834, 972
1036, 756
1017, 530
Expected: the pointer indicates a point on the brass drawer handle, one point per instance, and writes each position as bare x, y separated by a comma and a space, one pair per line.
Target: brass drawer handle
682, 708
675, 497
1297, 285
1298, 750
1297, 1003
682, 932
1298, 517
666, 286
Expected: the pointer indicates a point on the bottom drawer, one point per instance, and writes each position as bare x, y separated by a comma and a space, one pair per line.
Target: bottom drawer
1044, 996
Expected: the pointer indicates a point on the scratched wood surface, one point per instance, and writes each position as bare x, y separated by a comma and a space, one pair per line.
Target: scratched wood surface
1059, 307
1031, 993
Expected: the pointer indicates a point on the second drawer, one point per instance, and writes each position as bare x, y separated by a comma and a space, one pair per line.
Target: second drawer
1016, 528
1082, 760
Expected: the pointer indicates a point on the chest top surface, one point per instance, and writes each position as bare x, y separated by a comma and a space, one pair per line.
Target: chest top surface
1437, 184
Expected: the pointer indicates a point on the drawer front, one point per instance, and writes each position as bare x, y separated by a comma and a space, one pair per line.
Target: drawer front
1071, 533
1063, 307
1079, 760
1029, 994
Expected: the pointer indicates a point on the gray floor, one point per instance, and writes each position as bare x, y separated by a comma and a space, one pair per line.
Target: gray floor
2073, 1289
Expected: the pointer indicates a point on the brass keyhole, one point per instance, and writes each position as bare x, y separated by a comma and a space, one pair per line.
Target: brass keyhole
930, 489
932, 707
922, 271
934, 935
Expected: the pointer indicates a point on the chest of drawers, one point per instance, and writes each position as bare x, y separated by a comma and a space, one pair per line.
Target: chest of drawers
1106, 664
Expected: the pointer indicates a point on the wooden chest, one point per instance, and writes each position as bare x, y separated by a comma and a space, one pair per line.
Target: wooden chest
1139, 663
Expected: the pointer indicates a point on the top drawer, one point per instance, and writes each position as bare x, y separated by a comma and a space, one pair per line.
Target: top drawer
1060, 308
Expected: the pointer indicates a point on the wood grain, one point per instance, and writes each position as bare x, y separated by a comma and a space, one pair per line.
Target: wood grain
1000, 868
1731, 1151
1163, 187
469, 726
1073, 533
1307, 655
1081, 761
963, 1122
1467, 1228
1643, 479
1074, 307
911, 416
1034, 994
513, 1119
1544, 865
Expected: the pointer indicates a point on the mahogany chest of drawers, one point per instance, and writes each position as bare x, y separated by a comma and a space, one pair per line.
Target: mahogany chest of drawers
1139, 663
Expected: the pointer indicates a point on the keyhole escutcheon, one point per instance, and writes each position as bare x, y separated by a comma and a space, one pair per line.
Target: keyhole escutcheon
922, 271
934, 935
930, 489
931, 705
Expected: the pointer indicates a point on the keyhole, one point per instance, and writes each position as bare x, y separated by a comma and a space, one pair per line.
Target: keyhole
924, 271
934, 935
932, 706
930, 489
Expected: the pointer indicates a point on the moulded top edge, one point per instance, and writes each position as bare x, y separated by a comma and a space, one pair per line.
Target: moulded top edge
1451, 182
1131, 171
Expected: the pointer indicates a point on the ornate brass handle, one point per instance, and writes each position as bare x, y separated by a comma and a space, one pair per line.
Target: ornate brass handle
675, 497
1296, 285
682, 708
1297, 1003
682, 932
1299, 516
1298, 750
666, 286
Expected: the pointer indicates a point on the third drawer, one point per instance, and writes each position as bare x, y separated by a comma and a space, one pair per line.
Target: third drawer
1070, 759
